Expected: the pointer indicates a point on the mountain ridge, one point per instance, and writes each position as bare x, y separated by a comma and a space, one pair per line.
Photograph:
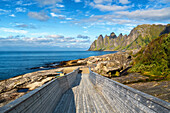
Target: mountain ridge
139, 37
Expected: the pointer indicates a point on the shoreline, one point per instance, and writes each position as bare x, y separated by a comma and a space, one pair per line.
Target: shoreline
113, 66
44, 66
9, 87
15, 87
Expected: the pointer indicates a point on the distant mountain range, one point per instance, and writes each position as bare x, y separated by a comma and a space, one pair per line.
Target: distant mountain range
139, 36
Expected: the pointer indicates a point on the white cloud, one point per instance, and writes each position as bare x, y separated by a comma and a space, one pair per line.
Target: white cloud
102, 7
62, 17
56, 10
50, 40
48, 2
39, 16
165, 1
3, 11
36, 39
59, 5
160, 1
55, 15
124, 29
40, 34
63, 22
12, 15
22, 25
55, 36
149, 14
77, 0
13, 30
104, 20
68, 18
19, 9
85, 27
102, 1
124, 1
19, 2
83, 37
24, 3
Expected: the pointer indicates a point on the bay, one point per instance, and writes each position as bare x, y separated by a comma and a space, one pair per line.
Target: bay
13, 63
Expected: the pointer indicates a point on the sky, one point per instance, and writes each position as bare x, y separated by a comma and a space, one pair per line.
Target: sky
61, 25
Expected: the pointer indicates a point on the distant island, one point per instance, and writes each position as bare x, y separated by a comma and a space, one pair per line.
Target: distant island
139, 36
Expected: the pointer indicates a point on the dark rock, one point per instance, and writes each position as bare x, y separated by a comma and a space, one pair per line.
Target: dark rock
166, 30
113, 35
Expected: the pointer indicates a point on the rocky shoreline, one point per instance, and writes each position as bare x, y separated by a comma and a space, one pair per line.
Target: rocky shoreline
13, 88
114, 66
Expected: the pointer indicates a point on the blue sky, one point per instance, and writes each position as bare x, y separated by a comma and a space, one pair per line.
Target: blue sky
73, 24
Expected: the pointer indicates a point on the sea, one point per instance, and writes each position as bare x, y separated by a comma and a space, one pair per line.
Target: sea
14, 63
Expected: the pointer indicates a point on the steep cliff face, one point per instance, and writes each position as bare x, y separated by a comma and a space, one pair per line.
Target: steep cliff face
97, 45
93, 46
139, 37
99, 42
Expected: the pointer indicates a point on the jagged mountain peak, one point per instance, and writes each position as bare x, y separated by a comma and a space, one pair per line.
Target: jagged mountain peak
139, 37
100, 37
120, 35
113, 35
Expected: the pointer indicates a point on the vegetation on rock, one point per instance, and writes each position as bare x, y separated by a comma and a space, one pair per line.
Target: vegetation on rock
154, 59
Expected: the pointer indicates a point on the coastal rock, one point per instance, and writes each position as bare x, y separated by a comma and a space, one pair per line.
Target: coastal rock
109, 65
9, 87
81, 61
72, 63
38, 84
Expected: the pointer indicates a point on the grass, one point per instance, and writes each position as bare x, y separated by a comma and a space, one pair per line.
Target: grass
154, 60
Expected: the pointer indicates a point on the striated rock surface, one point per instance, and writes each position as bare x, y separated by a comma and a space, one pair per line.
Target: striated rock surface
139, 37
30, 81
97, 44
110, 65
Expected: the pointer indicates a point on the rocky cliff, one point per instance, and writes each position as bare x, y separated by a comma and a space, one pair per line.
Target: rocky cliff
139, 37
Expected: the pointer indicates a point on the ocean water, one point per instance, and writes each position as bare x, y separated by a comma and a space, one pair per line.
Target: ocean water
13, 63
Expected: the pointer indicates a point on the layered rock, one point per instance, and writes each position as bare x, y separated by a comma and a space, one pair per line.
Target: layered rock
139, 37
9, 88
110, 65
